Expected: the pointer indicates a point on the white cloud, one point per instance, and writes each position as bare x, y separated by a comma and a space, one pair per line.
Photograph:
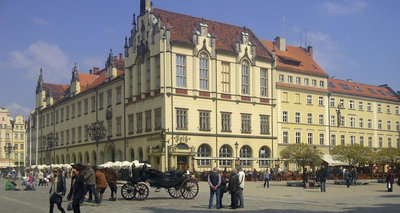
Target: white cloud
330, 55
40, 21
347, 7
50, 57
16, 109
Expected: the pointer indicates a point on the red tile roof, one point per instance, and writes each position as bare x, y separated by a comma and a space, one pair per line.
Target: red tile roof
57, 90
358, 89
182, 26
86, 79
296, 59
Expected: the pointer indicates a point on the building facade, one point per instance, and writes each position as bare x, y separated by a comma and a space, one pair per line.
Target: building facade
195, 93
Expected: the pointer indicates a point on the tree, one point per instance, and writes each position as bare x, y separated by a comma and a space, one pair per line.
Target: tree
355, 154
302, 154
389, 156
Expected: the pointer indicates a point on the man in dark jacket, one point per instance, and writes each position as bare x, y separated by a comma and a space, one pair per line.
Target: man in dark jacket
322, 178
223, 187
90, 179
77, 189
347, 177
214, 181
233, 188
305, 177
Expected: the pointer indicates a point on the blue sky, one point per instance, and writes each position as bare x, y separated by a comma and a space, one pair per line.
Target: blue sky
356, 39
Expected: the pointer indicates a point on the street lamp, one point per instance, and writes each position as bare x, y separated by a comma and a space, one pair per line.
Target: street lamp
97, 131
52, 142
8, 148
236, 148
164, 144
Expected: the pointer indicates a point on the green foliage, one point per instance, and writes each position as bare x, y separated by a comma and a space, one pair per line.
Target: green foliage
355, 154
389, 156
303, 154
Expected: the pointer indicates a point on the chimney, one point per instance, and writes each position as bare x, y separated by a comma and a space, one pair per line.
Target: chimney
95, 70
90, 71
310, 51
280, 42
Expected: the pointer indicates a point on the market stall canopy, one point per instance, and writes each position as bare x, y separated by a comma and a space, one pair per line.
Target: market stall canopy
332, 162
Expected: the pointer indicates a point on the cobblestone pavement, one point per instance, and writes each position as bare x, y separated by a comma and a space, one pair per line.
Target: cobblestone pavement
278, 198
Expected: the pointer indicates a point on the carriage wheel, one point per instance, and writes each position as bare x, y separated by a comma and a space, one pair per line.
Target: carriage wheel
175, 192
141, 191
128, 191
189, 188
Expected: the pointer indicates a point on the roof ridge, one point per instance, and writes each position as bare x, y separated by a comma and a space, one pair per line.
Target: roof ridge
356, 82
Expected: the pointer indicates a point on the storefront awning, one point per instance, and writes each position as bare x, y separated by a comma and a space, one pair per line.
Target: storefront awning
329, 159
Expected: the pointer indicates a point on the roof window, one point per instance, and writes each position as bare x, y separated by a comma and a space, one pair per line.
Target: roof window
358, 88
345, 86
372, 91
331, 84
381, 92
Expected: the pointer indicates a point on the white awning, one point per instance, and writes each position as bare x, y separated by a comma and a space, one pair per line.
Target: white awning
329, 159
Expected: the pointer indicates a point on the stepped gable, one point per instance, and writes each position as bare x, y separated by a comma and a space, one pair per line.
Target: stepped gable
296, 59
358, 89
182, 26
58, 91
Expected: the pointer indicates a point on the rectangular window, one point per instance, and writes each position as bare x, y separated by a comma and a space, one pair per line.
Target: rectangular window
297, 98
73, 111
263, 82
264, 124
310, 138
93, 100
314, 83
285, 137
341, 120
86, 132
157, 119
333, 140
360, 105
285, 97
332, 102
204, 118
380, 142
245, 79
67, 113
246, 123
309, 118
203, 72
379, 124
320, 101
322, 84
226, 121
109, 98
297, 117
226, 77
298, 137
369, 124
397, 110
101, 101
285, 116
86, 106
148, 120
351, 104
370, 141
180, 71
379, 108
361, 123
290, 79
342, 140
352, 122
67, 136
352, 139
333, 120
397, 125
388, 109
369, 107
321, 119
298, 80
119, 95
139, 122
362, 140
309, 99
281, 78
321, 138
119, 125
130, 124
306, 81
389, 142
62, 137
79, 134
62, 115
181, 119
389, 125
109, 128
341, 103
79, 108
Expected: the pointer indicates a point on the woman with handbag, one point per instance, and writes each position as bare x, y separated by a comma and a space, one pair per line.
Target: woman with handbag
77, 190
57, 190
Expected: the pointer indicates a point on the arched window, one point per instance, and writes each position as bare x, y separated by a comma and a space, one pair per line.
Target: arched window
265, 152
225, 152
204, 151
245, 152
245, 78
203, 72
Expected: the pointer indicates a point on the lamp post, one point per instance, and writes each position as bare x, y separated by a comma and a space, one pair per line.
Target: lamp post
52, 142
97, 131
8, 148
164, 144
236, 148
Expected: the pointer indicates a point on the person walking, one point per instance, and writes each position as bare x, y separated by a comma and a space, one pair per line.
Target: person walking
354, 176
76, 192
41, 176
267, 174
233, 188
389, 180
214, 181
255, 175
305, 177
57, 190
90, 179
347, 177
101, 184
322, 174
241, 177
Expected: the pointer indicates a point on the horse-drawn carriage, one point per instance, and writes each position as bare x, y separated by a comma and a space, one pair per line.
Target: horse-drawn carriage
177, 183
